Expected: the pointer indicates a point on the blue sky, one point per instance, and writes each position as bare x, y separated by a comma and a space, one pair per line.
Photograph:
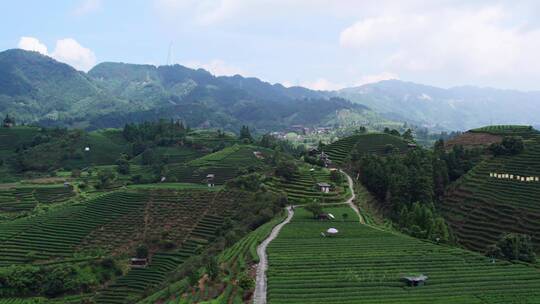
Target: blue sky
321, 44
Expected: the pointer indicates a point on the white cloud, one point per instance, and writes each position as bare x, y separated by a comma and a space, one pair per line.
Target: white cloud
459, 41
87, 7
322, 84
217, 67
32, 44
67, 50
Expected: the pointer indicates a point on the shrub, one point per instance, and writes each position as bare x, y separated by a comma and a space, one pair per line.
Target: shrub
142, 251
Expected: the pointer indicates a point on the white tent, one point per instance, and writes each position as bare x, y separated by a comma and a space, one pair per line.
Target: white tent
332, 231
87, 149
330, 215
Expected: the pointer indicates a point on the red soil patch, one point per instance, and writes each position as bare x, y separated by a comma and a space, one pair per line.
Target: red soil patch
473, 140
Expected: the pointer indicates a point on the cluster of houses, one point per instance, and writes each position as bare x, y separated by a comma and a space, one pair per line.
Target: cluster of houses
515, 177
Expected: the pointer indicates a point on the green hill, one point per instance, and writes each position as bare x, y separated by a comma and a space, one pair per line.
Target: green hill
480, 207
37, 89
376, 143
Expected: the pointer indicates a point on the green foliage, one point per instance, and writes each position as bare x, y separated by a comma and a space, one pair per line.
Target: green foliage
249, 182
245, 134
421, 222
50, 281
212, 268
286, 169
122, 164
142, 251
315, 208
245, 281
513, 246
510, 145
336, 177
105, 178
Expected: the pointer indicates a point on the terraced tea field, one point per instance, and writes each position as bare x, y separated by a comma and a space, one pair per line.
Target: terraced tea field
506, 130
303, 187
223, 164
340, 150
173, 155
480, 208
364, 265
26, 198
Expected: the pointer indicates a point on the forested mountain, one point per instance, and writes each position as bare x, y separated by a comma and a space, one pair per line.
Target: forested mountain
37, 89
457, 108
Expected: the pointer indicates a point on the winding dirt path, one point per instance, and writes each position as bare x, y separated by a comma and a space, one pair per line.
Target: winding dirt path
259, 296
350, 201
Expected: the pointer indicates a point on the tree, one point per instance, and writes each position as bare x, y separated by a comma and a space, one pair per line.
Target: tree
336, 177
142, 251
286, 169
122, 164
9, 121
345, 216
315, 208
514, 246
245, 281
105, 178
510, 145
148, 157
212, 268
408, 136
245, 134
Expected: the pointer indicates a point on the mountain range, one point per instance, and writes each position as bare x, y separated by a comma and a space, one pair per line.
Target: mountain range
37, 89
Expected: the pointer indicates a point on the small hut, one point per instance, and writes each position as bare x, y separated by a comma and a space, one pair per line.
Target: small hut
138, 262
415, 280
258, 154
324, 187
326, 216
411, 145
210, 180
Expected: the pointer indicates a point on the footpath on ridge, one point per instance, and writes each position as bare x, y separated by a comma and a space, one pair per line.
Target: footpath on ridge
259, 296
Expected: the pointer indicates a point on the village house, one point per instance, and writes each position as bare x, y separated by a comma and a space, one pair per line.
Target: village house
138, 262
324, 187
210, 180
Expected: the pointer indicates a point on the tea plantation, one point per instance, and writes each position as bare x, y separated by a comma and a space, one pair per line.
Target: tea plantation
377, 143
224, 164
362, 264
303, 187
480, 208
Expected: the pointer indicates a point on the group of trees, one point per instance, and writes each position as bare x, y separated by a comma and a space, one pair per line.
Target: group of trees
421, 221
407, 134
162, 132
411, 185
510, 145
54, 280
513, 246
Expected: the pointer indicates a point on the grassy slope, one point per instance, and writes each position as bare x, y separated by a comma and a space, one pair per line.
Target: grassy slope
364, 265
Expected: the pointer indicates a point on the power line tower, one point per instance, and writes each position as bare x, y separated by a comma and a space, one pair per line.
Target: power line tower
169, 54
